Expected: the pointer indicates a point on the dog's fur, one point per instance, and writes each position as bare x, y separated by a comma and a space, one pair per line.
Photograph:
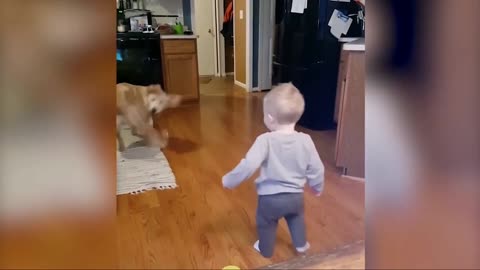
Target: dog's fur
135, 107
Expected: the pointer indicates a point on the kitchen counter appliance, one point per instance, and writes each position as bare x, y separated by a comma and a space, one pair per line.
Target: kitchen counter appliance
139, 59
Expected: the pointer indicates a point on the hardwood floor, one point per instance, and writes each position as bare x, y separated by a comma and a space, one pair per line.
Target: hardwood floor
202, 225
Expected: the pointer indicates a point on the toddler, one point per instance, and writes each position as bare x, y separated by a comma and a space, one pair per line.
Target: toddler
287, 160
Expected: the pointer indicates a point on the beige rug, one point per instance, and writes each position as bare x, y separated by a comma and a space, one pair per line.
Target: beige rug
141, 168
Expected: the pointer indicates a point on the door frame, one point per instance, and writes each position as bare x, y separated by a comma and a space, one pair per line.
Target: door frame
220, 41
249, 48
220, 49
248, 85
265, 43
215, 33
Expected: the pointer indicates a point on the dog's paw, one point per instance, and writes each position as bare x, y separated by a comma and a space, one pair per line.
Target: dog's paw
163, 145
163, 139
164, 133
174, 100
121, 148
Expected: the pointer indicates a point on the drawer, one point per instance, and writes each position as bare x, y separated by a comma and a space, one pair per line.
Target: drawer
175, 46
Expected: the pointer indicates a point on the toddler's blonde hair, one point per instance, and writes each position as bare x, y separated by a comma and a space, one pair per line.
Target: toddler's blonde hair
284, 103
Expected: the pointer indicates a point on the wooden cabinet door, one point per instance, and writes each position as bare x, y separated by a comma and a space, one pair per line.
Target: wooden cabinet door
181, 75
350, 152
354, 116
339, 151
342, 74
339, 101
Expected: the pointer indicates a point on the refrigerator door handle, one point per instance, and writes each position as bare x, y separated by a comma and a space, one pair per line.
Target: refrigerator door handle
322, 18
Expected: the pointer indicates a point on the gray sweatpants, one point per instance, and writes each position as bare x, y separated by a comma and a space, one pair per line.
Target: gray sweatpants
272, 208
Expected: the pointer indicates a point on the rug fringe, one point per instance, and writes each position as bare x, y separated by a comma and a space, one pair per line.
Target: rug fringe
159, 187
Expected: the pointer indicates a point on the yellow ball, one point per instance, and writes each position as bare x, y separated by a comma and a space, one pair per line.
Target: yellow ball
231, 267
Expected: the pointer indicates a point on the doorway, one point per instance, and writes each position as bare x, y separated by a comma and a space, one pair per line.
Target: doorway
225, 40
214, 26
227, 32
205, 25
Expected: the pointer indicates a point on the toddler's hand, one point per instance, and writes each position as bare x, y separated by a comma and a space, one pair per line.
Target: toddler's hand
223, 184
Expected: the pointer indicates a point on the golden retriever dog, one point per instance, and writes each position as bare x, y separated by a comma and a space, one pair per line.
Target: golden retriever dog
136, 105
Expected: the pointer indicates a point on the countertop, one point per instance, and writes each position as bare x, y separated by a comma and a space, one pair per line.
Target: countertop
178, 36
356, 45
153, 35
137, 35
347, 39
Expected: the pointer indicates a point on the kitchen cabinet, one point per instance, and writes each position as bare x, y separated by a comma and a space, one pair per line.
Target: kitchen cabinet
340, 82
180, 67
350, 113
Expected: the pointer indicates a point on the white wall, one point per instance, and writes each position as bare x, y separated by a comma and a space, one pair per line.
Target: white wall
165, 7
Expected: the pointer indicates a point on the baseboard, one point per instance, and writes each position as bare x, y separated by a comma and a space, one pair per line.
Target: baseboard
258, 89
354, 178
242, 85
205, 78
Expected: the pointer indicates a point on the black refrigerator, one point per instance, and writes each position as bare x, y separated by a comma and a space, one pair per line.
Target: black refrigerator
307, 54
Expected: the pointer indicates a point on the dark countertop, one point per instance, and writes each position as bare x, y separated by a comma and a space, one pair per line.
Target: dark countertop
154, 35
137, 35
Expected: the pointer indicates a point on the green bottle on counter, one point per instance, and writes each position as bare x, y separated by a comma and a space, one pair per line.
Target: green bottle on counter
178, 28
